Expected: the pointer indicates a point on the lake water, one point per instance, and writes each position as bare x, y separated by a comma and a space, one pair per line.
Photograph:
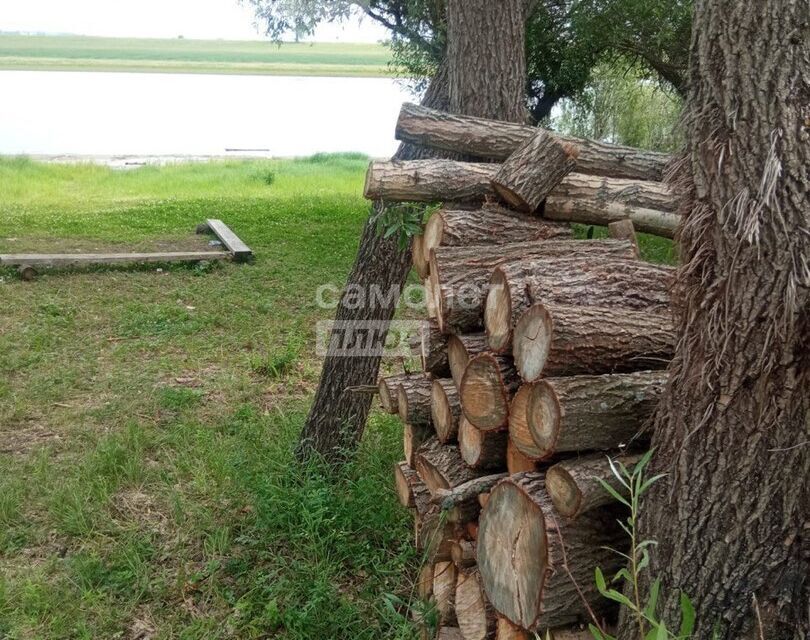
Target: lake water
54, 113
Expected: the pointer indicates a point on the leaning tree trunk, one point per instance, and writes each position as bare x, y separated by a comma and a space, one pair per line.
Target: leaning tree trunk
338, 415
734, 424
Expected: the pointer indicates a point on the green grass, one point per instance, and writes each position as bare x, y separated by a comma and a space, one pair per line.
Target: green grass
85, 53
147, 417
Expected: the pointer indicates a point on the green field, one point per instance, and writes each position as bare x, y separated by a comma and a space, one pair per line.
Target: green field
84, 53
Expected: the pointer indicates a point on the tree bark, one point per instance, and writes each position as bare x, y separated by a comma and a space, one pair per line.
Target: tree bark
568, 340
410, 487
463, 554
529, 576
460, 275
498, 140
413, 436
460, 350
484, 450
388, 389
604, 282
476, 617
587, 413
575, 485
433, 349
413, 400
441, 467
486, 390
533, 170
516, 461
733, 427
445, 409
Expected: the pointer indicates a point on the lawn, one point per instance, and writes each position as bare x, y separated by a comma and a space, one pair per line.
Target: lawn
147, 417
85, 53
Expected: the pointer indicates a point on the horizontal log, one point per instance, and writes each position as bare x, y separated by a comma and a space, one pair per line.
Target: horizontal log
413, 436
496, 140
388, 388
486, 390
444, 591
433, 349
445, 409
589, 208
485, 450
413, 399
476, 617
461, 349
508, 631
537, 568
516, 461
552, 340
463, 553
410, 488
441, 467
449, 498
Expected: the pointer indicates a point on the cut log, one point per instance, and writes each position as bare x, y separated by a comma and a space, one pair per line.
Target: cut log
567, 340
431, 299
603, 282
424, 582
419, 257
486, 390
484, 450
476, 617
517, 462
410, 488
444, 591
449, 633
470, 490
483, 499
460, 350
428, 181
575, 485
460, 275
622, 230
495, 140
527, 573
388, 388
445, 409
586, 207
413, 436
587, 413
520, 435
433, 349
433, 534
508, 631
441, 467
463, 553
413, 400
533, 170
489, 225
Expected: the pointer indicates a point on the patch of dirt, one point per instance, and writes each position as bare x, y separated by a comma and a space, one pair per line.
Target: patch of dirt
142, 626
22, 438
133, 505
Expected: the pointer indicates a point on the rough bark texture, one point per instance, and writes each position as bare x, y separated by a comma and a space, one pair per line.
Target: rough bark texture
498, 140
586, 413
460, 350
449, 498
567, 340
486, 390
574, 485
604, 282
410, 487
441, 467
623, 230
521, 555
533, 170
413, 400
476, 617
463, 553
460, 275
445, 409
433, 349
485, 450
413, 436
388, 389
733, 428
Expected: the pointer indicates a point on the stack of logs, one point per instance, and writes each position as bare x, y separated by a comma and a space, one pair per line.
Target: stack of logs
542, 359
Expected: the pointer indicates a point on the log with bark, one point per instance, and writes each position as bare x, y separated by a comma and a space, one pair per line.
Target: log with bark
460, 350
520, 435
557, 340
517, 462
463, 553
476, 617
470, 490
418, 256
433, 534
441, 467
496, 140
410, 488
491, 224
431, 301
388, 388
413, 399
578, 198
424, 582
484, 450
460, 276
527, 176
445, 409
413, 436
537, 568
508, 631
486, 390
575, 485
586, 413
433, 349
444, 591
604, 282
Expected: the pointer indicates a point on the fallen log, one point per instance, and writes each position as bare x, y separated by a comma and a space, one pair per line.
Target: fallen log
441, 467
413, 436
431, 299
603, 282
445, 409
476, 617
537, 569
388, 389
460, 276
495, 140
516, 461
586, 413
444, 591
578, 198
489, 225
433, 534
520, 435
486, 389
484, 450
461, 349
418, 256
463, 553
575, 485
413, 400
433, 349
557, 340
410, 488
527, 176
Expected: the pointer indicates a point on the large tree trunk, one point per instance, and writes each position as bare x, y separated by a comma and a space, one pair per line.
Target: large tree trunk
338, 415
734, 424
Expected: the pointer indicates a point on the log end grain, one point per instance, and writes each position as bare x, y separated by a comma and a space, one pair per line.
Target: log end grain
498, 312
532, 340
483, 396
519, 432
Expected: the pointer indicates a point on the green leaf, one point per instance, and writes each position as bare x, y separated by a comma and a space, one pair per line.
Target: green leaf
622, 573
650, 482
663, 634
687, 617
598, 635
652, 602
616, 596
600, 581
616, 495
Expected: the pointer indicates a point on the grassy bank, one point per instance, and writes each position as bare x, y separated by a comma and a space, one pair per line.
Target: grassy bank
85, 53
146, 418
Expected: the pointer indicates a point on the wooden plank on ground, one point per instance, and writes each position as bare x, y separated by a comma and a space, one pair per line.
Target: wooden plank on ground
241, 252
71, 259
